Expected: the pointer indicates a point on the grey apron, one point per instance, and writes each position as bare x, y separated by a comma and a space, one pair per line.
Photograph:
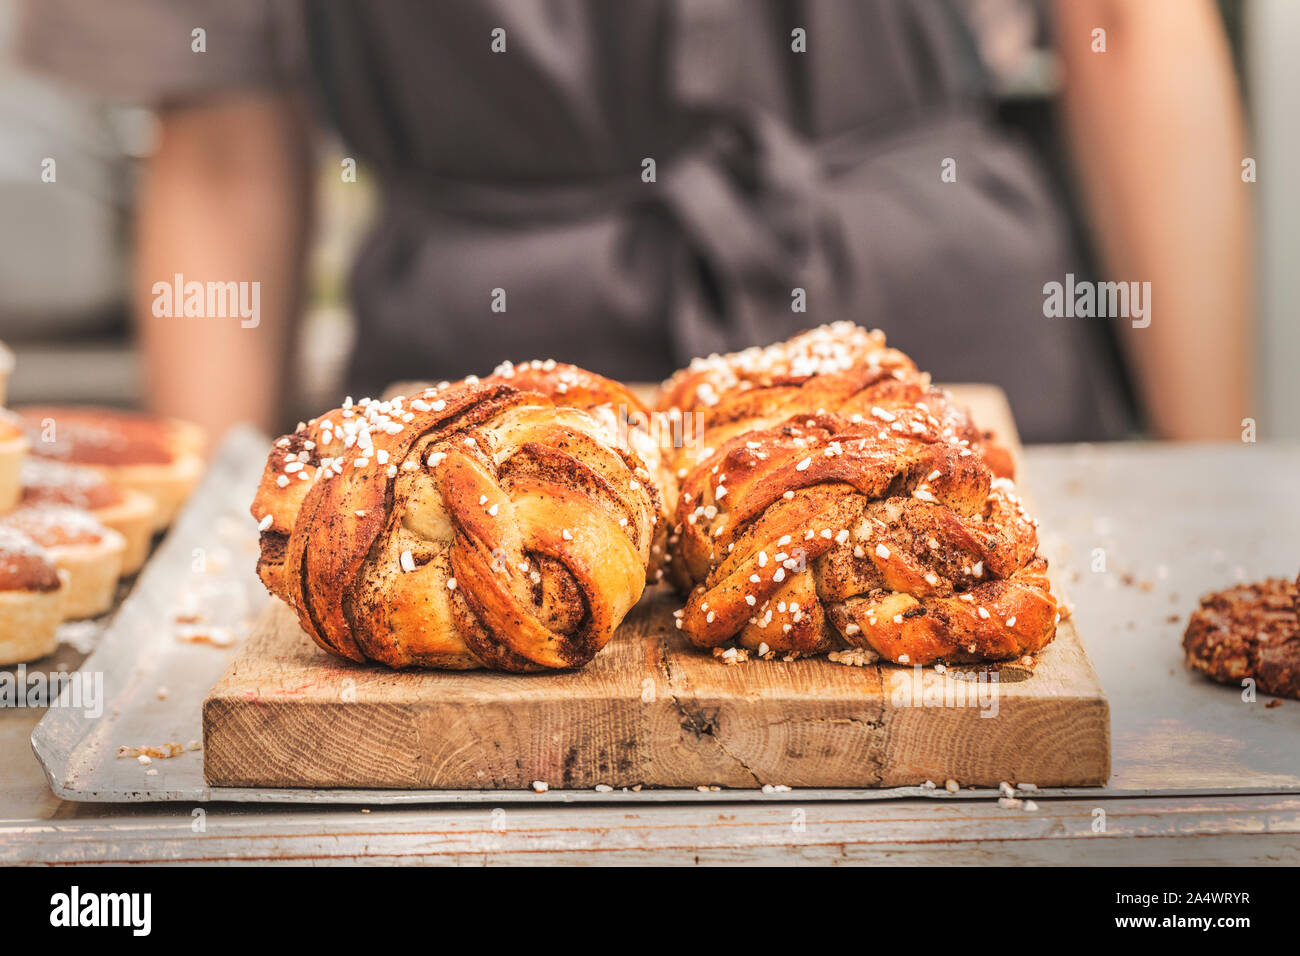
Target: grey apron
775, 171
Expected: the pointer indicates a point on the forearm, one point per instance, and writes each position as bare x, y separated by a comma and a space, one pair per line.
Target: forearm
225, 200
1158, 135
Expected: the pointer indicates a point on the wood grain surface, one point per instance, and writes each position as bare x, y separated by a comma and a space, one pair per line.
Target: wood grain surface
652, 711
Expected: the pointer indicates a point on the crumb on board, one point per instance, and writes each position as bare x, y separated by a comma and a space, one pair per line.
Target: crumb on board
854, 657
540, 786
731, 655
952, 786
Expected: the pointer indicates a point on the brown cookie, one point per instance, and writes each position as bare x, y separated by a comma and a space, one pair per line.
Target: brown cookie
1249, 631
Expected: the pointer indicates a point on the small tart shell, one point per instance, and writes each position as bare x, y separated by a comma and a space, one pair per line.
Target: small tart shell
133, 519
93, 566
168, 485
93, 570
29, 622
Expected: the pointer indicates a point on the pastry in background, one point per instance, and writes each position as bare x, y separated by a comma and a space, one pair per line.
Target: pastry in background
161, 457
1251, 630
32, 589
47, 481
471, 525
13, 449
89, 552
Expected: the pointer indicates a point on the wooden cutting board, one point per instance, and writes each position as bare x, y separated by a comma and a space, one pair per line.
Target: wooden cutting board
651, 710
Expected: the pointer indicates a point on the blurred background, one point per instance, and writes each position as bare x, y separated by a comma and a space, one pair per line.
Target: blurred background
67, 248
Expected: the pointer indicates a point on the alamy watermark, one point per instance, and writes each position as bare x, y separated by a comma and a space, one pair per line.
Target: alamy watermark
208, 300
915, 687
83, 690
674, 428
1102, 300
133, 911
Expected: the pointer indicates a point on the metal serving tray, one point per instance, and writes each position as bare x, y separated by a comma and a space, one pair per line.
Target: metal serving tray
154, 684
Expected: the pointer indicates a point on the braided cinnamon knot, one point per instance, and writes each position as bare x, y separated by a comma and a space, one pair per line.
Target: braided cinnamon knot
472, 525
833, 368
826, 531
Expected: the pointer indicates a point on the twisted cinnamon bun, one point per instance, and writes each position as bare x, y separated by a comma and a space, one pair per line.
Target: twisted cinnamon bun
472, 525
838, 499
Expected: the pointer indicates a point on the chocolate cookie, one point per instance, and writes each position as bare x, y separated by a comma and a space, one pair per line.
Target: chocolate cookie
1249, 631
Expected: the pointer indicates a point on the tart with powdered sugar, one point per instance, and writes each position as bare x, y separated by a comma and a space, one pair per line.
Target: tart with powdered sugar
160, 457
32, 590
89, 552
46, 481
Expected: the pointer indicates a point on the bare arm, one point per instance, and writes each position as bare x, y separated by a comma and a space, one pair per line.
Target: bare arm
1158, 139
225, 199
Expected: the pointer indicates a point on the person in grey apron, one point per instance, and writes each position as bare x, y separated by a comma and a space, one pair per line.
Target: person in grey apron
627, 185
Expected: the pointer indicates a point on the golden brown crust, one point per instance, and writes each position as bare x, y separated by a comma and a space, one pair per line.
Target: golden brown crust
475, 525
571, 386
822, 532
1249, 631
832, 496
637, 425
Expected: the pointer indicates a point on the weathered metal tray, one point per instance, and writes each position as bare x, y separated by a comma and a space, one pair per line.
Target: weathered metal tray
154, 683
